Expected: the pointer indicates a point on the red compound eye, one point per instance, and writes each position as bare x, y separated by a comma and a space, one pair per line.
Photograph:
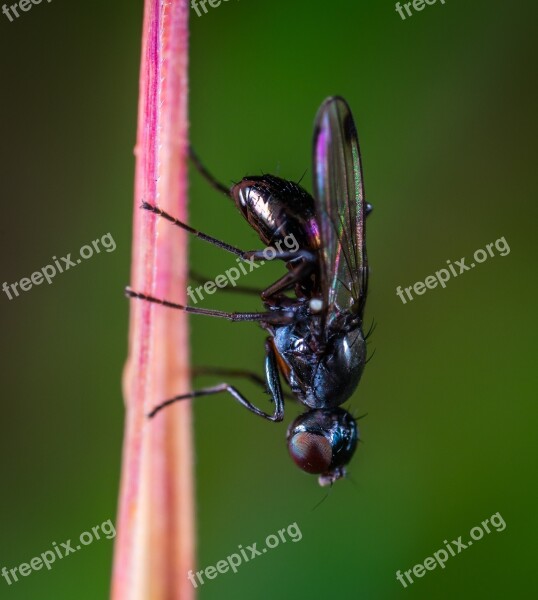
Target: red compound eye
311, 453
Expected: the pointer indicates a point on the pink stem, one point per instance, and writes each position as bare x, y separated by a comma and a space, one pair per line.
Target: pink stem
154, 547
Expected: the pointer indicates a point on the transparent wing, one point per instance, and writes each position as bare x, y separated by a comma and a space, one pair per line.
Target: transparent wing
340, 207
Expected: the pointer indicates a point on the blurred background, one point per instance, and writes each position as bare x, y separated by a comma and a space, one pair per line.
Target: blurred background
445, 109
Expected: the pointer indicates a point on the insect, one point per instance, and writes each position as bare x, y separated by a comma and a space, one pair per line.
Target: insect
314, 312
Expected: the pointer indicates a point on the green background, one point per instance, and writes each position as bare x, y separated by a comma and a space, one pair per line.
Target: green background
444, 105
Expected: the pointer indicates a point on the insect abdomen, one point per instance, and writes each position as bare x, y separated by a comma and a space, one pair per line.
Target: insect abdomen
276, 209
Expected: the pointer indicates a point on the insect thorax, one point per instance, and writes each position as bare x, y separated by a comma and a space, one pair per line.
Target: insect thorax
322, 374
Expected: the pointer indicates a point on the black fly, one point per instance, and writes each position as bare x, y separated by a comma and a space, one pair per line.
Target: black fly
315, 338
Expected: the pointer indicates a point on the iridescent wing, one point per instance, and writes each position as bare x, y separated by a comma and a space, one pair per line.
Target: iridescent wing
341, 210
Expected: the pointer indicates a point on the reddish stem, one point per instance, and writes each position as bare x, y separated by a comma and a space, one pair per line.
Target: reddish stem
155, 531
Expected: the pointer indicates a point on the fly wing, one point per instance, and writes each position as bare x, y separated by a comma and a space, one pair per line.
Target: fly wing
340, 208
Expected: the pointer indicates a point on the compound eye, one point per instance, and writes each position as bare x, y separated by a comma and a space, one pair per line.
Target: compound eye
312, 453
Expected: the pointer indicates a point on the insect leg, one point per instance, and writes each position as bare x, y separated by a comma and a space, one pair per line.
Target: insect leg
238, 288
273, 384
272, 317
220, 187
294, 276
274, 300
254, 377
251, 255
288, 280
288, 255
279, 301
203, 236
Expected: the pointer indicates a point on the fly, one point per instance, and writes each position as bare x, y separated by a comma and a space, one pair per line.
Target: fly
313, 314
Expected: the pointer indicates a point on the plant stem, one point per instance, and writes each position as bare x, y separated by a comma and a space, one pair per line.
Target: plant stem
155, 545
